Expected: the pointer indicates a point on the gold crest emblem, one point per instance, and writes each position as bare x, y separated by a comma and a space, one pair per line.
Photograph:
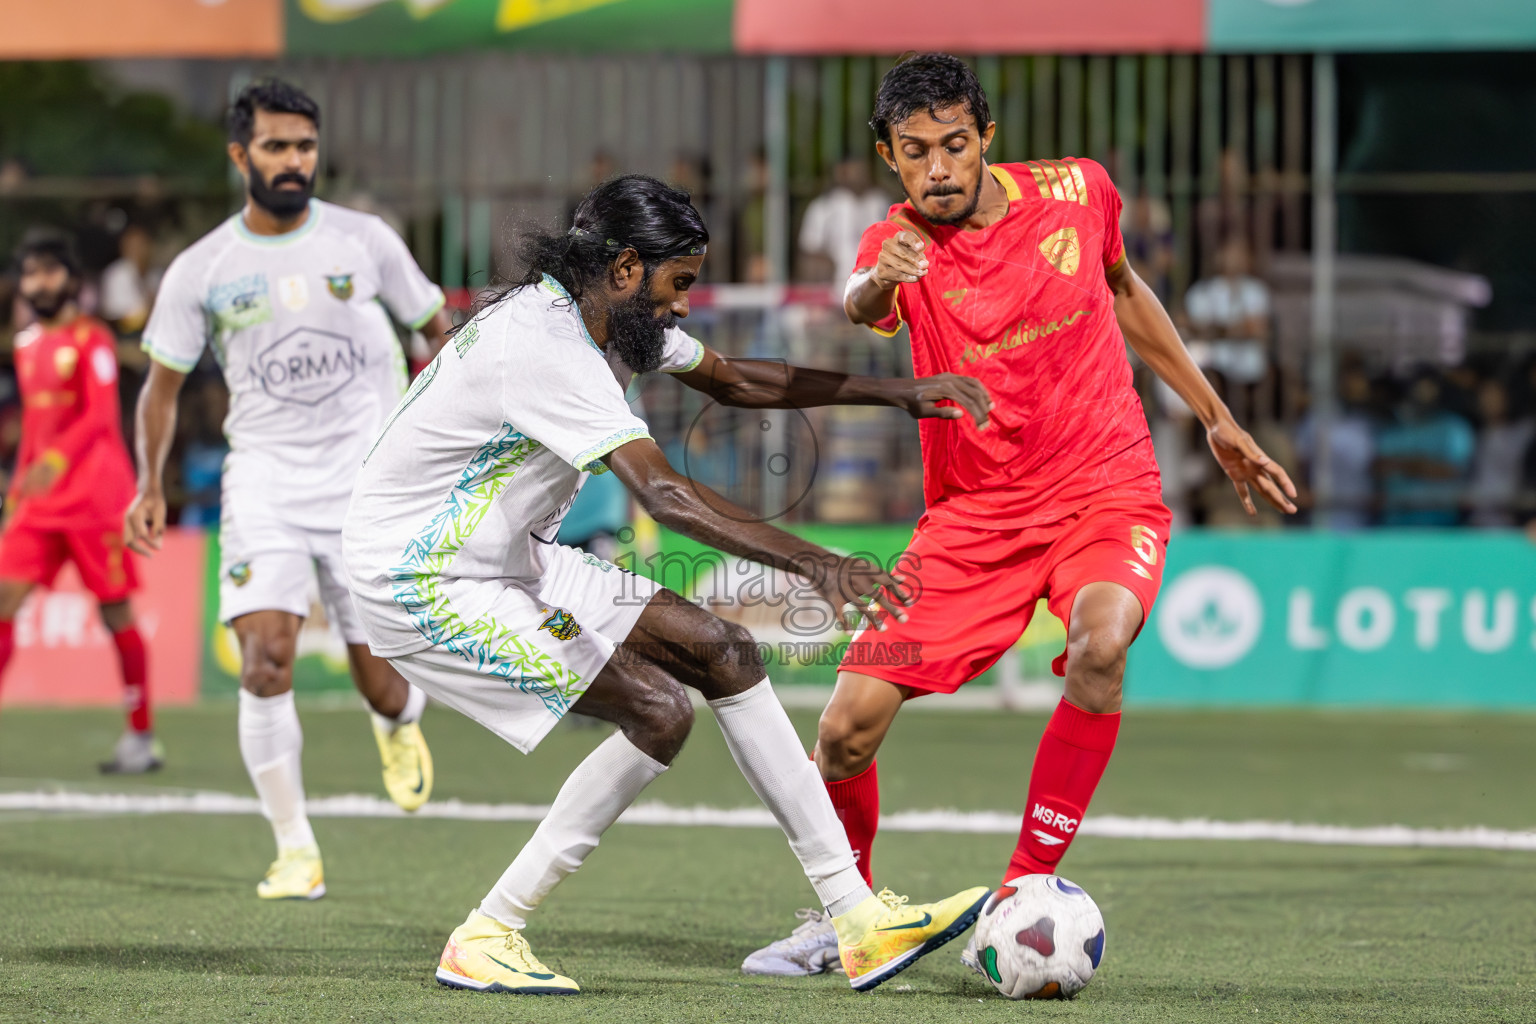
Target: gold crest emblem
340, 285
1061, 250
65, 359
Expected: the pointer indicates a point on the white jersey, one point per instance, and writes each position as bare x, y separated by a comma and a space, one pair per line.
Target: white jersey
479, 463
311, 359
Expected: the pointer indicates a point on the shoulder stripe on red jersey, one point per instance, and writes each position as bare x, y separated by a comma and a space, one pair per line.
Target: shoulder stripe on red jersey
1077, 179
1006, 180
1040, 180
1060, 179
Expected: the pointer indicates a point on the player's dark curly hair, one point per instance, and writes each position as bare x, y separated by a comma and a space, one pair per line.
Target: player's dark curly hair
931, 82
50, 245
273, 95
632, 211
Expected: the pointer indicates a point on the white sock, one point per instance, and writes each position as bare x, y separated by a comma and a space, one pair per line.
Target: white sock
593, 797
271, 744
415, 704
769, 754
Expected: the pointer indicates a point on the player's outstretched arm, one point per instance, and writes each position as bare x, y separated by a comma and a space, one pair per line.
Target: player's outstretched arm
765, 384
155, 428
1152, 336
871, 293
697, 512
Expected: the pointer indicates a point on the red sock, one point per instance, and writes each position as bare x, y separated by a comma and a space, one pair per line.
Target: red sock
857, 801
1072, 757
7, 643
130, 653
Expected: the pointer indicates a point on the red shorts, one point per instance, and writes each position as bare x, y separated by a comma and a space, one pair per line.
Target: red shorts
35, 555
976, 589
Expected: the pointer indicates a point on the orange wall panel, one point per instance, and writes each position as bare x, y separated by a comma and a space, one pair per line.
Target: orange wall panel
80, 29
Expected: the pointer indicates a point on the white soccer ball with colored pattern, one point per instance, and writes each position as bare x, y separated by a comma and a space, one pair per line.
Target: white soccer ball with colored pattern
1040, 937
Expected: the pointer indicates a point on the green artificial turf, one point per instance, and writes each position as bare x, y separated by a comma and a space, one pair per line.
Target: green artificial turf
155, 918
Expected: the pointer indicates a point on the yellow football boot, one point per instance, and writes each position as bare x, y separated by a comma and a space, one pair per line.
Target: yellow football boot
295, 875
407, 764
485, 955
893, 936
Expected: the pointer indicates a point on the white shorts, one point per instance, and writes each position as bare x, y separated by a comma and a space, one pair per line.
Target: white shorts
518, 655
285, 571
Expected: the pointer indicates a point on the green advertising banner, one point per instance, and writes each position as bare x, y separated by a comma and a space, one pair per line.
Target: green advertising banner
1426, 619
404, 27
1267, 26
1392, 617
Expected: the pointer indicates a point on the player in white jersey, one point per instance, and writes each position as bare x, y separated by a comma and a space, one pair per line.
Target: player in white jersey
451, 554
291, 293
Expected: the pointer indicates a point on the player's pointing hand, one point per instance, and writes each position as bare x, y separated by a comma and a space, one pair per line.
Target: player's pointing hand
901, 260
1248, 467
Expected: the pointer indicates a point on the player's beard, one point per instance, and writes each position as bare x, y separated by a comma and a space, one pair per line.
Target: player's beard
962, 214
284, 204
637, 334
47, 305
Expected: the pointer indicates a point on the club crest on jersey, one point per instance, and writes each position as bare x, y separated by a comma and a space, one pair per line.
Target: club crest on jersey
293, 291
1061, 250
339, 285
561, 625
240, 573
65, 359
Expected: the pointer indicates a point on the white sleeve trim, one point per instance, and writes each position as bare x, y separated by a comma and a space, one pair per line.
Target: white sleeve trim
167, 360
698, 357
590, 460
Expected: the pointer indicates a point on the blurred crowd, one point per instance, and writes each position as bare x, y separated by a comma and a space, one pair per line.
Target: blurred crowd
1406, 443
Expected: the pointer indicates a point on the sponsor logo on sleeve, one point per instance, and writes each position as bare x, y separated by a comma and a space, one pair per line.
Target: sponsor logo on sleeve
240, 303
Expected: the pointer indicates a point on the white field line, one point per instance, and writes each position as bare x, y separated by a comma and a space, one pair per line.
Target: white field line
948, 821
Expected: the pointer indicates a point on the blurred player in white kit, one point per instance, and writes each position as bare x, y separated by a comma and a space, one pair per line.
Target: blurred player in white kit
291, 294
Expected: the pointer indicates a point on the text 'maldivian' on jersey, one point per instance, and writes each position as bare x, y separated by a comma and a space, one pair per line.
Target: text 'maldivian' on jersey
1024, 306
473, 472
310, 356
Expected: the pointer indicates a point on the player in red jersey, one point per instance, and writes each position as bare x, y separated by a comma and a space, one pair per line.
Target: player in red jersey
73, 479
1014, 274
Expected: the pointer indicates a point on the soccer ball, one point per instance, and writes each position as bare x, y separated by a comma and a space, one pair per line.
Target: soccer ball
1040, 937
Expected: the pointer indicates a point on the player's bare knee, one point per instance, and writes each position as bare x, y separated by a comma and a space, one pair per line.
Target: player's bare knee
267, 667
1096, 670
735, 664
843, 749
662, 717
117, 616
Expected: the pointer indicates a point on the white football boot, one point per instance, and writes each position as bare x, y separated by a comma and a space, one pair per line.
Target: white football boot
810, 949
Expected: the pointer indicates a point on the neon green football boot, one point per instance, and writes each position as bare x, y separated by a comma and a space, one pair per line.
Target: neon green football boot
484, 955
890, 936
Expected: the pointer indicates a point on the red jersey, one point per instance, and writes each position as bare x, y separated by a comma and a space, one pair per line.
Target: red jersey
1023, 305
68, 379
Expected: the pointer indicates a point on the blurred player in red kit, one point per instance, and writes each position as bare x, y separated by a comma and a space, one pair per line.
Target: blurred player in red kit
1014, 274
73, 480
